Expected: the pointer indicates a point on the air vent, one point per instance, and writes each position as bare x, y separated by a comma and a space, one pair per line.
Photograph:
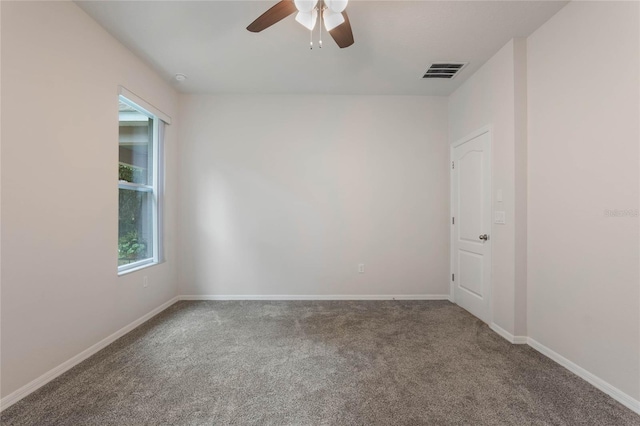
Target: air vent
444, 69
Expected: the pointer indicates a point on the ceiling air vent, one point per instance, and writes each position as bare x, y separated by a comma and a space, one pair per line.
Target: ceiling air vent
444, 69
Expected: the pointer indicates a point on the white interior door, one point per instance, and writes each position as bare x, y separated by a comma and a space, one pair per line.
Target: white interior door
471, 224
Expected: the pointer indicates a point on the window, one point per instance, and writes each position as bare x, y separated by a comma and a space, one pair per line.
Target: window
139, 146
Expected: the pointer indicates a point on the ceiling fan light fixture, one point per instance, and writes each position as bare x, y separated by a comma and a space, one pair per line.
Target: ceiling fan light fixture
332, 19
305, 6
336, 6
308, 12
307, 19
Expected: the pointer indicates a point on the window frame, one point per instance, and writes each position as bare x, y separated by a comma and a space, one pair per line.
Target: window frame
153, 189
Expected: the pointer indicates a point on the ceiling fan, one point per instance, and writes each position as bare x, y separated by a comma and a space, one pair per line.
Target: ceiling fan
331, 13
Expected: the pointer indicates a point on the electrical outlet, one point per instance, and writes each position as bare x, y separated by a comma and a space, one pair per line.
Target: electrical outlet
145, 281
361, 268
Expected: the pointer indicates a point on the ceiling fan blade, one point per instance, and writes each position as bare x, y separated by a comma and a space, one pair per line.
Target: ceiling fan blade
342, 34
277, 13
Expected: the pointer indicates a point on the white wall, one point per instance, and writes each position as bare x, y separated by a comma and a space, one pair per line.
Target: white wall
60, 290
285, 195
583, 278
493, 96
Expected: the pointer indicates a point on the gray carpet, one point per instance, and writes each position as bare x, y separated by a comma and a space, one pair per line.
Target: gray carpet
315, 363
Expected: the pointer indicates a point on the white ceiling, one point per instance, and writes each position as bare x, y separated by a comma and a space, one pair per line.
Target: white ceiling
395, 41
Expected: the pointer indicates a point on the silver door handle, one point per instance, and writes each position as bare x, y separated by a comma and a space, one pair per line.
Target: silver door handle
484, 237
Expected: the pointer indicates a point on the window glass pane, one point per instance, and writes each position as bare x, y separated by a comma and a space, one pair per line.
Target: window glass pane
135, 226
135, 146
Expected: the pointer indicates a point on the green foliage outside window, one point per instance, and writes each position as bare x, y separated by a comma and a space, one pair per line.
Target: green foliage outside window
130, 173
130, 246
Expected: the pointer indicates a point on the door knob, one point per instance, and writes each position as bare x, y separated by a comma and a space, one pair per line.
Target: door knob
484, 237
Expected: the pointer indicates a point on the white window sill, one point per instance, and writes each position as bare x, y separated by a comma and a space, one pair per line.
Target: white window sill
137, 266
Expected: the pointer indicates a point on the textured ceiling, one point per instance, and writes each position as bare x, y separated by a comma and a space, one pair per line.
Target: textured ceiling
395, 42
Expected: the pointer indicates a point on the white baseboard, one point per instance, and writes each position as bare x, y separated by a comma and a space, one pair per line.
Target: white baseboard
36, 384
594, 380
318, 297
609, 389
517, 340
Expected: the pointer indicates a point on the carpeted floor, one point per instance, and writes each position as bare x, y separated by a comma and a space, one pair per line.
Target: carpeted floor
317, 363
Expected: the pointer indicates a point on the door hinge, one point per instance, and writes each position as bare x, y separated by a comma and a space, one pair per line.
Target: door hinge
453, 277
452, 165
453, 220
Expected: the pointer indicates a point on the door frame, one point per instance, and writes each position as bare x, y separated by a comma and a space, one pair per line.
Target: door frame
488, 129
